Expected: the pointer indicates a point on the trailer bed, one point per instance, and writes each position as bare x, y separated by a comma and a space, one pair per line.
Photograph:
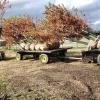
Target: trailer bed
91, 56
44, 56
48, 51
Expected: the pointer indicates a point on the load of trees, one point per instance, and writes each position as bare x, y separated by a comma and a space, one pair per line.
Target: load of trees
22, 30
48, 33
16, 29
94, 44
64, 22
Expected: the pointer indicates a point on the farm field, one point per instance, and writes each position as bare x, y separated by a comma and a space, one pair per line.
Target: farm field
31, 80
41, 29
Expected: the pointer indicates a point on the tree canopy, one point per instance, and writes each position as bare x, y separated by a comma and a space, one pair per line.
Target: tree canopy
61, 21
57, 23
23, 28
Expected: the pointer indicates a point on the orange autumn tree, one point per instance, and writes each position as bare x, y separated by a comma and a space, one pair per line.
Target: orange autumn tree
43, 35
60, 21
57, 23
18, 28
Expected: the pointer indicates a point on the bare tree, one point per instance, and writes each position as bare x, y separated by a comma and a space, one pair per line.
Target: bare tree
4, 4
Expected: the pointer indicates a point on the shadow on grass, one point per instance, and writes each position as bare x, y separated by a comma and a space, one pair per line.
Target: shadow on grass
53, 60
67, 60
9, 58
71, 60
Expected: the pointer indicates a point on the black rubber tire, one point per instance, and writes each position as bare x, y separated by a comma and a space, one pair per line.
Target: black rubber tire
3, 55
98, 59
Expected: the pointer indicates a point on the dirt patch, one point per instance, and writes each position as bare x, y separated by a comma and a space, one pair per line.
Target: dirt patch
31, 80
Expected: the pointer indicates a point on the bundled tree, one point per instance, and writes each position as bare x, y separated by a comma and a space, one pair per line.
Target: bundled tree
60, 21
22, 29
18, 28
57, 23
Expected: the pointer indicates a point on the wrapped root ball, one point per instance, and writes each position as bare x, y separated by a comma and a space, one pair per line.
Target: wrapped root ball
27, 46
37, 47
92, 44
32, 47
22, 46
98, 44
43, 47
53, 45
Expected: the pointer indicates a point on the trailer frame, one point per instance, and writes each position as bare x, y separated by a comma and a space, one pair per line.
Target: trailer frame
91, 56
44, 56
2, 55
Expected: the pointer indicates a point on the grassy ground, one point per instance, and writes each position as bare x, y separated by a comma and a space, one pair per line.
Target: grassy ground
31, 80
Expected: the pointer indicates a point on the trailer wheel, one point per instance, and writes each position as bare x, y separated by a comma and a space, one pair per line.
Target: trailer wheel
44, 58
98, 59
18, 57
86, 59
3, 55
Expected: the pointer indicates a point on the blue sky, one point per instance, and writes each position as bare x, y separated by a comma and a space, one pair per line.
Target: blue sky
91, 8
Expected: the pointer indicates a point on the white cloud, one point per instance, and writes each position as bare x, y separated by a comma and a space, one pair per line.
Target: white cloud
35, 8
64, 2
29, 6
74, 3
96, 22
18, 1
34, 5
